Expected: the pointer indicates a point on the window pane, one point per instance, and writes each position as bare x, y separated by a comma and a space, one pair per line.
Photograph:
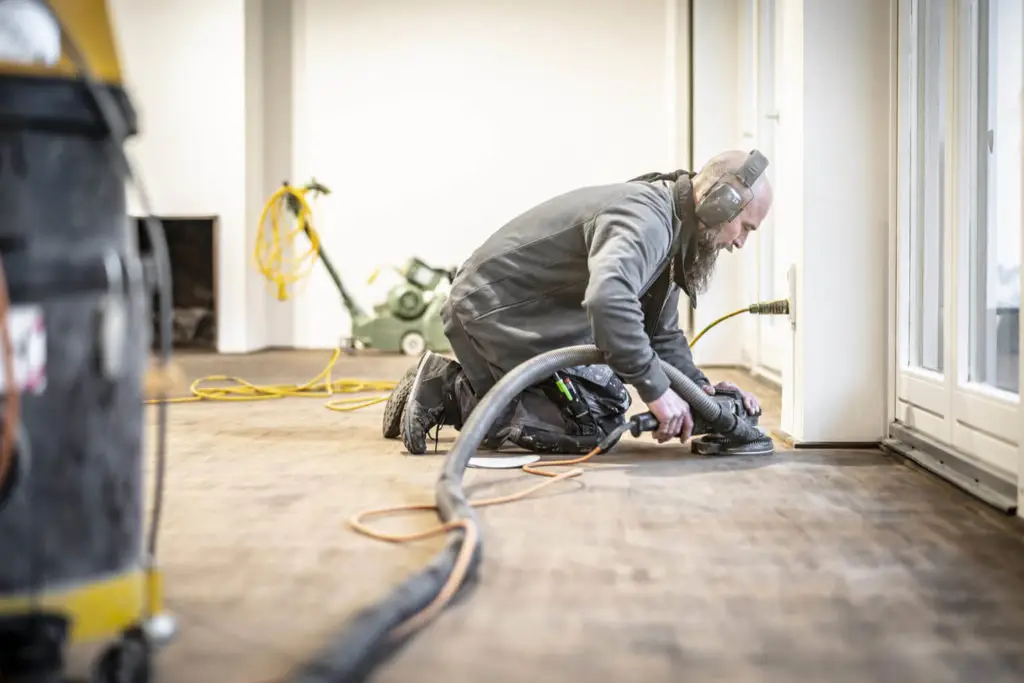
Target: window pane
928, 225
995, 257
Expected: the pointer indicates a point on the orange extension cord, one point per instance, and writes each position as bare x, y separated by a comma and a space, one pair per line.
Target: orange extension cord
455, 579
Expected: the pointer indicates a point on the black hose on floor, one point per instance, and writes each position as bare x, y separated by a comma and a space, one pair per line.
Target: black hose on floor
365, 640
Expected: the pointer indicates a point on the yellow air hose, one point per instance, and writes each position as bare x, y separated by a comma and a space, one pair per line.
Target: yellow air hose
776, 307
274, 258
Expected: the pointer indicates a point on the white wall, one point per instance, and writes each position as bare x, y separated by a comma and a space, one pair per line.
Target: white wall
255, 310
434, 122
833, 154
185, 63
278, 150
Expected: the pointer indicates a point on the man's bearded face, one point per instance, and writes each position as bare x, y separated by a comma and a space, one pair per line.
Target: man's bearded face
698, 274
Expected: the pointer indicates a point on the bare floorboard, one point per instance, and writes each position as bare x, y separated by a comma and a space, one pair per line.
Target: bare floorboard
655, 566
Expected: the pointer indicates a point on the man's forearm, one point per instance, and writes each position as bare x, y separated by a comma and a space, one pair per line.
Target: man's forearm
617, 326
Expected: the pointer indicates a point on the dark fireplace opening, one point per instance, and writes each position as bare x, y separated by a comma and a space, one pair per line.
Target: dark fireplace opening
191, 243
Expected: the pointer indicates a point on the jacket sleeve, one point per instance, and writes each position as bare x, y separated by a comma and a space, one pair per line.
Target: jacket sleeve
627, 243
670, 343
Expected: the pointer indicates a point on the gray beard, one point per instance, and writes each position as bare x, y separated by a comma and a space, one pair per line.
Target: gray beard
698, 274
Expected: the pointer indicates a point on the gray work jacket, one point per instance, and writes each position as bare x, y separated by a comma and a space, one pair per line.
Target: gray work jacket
582, 268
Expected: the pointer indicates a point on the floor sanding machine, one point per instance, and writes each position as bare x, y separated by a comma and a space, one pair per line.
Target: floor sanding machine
407, 321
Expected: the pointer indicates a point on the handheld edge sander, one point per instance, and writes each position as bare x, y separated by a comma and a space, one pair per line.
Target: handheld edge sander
708, 442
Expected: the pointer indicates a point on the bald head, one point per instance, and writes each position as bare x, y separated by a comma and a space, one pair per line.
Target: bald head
711, 239
734, 233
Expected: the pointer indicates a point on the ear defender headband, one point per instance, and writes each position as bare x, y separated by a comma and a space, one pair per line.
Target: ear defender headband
732, 192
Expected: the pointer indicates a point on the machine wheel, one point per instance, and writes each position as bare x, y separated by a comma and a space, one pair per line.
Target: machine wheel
413, 344
126, 661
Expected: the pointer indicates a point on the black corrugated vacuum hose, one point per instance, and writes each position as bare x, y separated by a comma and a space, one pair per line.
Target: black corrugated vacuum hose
367, 638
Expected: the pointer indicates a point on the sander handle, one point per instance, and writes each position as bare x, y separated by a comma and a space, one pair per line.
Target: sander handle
643, 422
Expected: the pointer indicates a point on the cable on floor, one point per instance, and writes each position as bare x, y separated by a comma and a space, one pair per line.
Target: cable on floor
454, 581
323, 385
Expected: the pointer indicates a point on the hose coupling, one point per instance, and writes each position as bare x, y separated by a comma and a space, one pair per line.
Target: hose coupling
776, 307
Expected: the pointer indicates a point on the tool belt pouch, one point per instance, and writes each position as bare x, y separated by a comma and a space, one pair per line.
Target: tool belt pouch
543, 441
601, 399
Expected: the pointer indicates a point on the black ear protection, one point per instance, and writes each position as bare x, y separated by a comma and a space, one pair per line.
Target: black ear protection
731, 193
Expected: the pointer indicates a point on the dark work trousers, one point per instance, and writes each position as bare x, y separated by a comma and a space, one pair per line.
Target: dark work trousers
533, 421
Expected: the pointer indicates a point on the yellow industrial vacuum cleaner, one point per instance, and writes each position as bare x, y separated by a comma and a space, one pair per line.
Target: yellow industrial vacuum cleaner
76, 558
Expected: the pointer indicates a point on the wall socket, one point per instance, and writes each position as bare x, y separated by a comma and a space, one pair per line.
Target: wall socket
791, 279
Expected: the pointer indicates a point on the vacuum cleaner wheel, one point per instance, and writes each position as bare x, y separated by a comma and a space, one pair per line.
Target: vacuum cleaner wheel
127, 661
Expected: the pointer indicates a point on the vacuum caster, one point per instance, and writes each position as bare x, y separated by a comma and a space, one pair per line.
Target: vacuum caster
127, 661
161, 630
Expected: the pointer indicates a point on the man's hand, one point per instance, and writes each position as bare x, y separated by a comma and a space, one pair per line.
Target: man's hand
749, 401
674, 417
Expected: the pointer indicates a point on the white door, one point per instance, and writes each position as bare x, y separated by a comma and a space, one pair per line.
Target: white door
773, 337
959, 249
768, 340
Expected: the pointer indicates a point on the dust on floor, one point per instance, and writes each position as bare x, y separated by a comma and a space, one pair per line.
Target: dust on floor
655, 566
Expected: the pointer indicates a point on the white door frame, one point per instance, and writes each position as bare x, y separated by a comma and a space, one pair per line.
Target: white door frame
1020, 345
773, 337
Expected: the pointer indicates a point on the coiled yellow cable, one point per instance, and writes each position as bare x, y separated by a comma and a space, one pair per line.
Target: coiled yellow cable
283, 271
274, 249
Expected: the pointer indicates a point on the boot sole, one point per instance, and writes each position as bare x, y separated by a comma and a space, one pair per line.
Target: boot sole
407, 425
394, 410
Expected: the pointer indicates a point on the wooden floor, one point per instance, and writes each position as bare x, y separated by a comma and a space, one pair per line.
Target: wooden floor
655, 566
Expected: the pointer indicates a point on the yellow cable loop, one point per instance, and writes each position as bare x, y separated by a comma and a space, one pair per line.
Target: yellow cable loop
272, 259
272, 243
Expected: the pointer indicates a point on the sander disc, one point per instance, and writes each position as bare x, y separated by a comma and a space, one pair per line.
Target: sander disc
503, 462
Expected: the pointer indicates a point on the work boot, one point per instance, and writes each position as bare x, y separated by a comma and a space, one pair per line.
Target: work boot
394, 409
431, 401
